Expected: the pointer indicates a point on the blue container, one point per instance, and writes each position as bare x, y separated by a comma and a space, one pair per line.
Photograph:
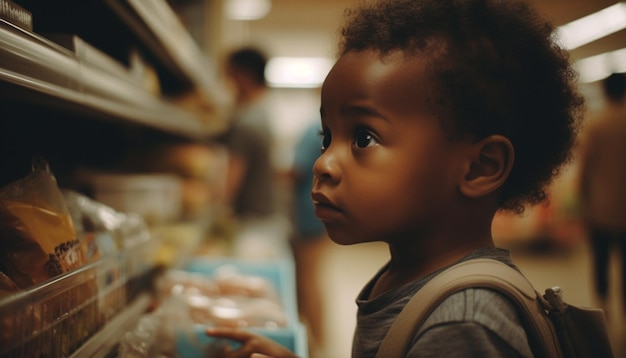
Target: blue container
281, 274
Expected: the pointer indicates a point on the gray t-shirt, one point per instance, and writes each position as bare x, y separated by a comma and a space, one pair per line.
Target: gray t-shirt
470, 323
251, 138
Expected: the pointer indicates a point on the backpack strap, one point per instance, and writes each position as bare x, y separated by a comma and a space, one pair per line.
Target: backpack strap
476, 273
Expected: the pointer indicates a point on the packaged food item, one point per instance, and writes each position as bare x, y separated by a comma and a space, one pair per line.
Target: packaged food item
200, 168
154, 196
227, 299
231, 282
37, 237
86, 215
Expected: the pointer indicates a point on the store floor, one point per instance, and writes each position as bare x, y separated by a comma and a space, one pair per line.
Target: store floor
347, 268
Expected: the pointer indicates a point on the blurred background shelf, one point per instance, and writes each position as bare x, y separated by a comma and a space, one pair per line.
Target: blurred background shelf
34, 69
91, 84
100, 86
162, 32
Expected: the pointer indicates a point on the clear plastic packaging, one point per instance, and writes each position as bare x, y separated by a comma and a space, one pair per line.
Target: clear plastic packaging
270, 309
56, 316
37, 236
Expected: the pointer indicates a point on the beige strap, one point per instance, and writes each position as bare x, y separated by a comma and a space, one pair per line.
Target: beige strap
477, 273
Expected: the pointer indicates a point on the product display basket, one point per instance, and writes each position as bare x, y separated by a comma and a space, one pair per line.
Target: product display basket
57, 317
281, 274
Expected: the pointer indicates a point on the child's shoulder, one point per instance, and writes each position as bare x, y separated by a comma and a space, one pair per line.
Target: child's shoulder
478, 315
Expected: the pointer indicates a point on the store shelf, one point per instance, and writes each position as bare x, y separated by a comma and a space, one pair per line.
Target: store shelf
33, 63
106, 340
78, 114
81, 313
162, 32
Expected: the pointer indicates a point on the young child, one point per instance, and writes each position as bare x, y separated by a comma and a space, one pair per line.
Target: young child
436, 115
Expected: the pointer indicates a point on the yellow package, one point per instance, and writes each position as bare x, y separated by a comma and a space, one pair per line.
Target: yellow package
37, 236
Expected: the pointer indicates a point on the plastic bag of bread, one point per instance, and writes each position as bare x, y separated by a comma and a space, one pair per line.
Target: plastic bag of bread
37, 236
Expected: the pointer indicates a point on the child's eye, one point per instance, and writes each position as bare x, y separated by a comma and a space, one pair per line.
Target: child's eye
325, 139
363, 138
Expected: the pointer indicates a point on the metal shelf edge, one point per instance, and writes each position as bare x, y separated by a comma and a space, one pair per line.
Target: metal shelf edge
103, 342
29, 61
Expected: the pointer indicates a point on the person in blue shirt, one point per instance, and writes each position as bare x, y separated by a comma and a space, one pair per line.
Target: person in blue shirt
309, 238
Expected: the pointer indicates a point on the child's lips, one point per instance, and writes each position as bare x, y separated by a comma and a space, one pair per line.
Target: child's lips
325, 209
321, 199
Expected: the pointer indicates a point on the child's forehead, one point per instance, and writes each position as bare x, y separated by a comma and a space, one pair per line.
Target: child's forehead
368, 65
368, 73
394, 87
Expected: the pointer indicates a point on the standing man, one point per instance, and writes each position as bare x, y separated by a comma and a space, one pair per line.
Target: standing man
251, 186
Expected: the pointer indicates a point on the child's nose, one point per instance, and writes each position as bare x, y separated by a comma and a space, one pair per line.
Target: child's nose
326, 167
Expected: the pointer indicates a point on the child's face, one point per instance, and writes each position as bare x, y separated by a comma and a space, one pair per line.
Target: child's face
387, 172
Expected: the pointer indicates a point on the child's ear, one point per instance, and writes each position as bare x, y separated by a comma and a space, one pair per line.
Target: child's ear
490, 164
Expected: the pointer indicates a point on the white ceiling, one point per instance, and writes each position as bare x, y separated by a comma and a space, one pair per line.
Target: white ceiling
308, 27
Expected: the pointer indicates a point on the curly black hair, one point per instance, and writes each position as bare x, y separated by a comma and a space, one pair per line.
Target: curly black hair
497, 69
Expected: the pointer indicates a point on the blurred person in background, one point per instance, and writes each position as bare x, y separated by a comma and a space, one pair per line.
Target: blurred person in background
309, 237
251, 188
603, 183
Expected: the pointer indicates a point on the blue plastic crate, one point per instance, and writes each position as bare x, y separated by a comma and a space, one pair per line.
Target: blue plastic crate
279, 273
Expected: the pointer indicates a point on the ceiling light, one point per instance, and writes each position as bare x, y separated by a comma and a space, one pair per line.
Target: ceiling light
297, 72
595, 68
592, 27
246, 9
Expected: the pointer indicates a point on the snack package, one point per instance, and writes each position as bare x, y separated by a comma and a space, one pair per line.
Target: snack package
37, 236
229, 299
90, 220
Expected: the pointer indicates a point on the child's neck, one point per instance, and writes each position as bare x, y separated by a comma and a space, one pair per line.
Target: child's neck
408, 264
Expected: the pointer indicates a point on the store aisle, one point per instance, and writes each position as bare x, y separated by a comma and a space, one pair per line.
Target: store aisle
346, 269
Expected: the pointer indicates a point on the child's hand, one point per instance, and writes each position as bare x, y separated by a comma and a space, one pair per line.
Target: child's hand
250, 343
